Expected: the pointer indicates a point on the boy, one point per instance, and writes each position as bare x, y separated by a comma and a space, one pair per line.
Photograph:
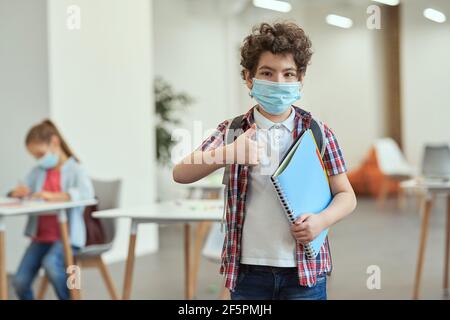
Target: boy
263, 256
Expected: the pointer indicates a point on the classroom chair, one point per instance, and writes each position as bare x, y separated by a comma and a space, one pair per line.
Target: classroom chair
435, 173
436, 161
394, 166
107, 193
210, 187
212, 250
435, 165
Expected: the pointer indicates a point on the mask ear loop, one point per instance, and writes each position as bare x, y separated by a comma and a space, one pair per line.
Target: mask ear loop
250, 92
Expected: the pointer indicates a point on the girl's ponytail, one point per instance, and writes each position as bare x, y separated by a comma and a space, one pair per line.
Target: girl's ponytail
43, 132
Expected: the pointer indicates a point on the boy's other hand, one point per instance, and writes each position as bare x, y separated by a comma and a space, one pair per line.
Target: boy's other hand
246, 148
21, 191
307, 227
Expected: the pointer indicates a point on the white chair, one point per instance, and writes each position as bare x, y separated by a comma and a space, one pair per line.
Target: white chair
436, 162
107, 193
435, 169
212, 250
213, 244
210, 187
393, 165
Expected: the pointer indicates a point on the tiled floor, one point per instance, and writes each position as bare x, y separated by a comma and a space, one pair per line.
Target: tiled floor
387, 239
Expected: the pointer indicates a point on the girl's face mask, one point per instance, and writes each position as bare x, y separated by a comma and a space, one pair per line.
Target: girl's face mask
275, 97
48, 161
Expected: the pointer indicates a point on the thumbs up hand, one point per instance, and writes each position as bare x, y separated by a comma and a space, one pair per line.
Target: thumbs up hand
246, 148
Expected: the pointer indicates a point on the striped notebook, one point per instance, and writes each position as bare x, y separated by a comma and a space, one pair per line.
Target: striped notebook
302, 185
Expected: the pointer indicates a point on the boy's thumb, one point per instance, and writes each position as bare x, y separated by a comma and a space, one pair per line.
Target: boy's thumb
302, 218
251, 131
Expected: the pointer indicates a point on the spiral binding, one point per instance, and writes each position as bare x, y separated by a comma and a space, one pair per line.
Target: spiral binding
283, 200
310, 253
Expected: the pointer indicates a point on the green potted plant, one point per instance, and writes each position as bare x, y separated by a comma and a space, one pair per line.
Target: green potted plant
169, 105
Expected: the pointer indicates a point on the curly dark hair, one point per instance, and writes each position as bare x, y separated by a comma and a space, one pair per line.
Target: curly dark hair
279, 38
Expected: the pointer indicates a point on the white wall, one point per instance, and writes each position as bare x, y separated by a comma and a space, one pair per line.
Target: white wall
23, 100
191, 53
101, 96
426, 78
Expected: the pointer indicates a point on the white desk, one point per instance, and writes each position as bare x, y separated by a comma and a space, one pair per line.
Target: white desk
180, 211
429, 189
37, 208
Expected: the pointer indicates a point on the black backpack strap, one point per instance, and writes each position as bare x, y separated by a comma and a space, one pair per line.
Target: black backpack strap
318, 132
319, 135
230, 134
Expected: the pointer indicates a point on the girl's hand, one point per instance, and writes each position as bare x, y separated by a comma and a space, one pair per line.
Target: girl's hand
51, 196
21, 191
307, 227
245, 148
44, 195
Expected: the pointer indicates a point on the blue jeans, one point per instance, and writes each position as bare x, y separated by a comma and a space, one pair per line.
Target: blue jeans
274, 283
49, 256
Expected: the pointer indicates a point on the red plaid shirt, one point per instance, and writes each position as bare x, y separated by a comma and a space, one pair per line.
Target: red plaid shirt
334, 163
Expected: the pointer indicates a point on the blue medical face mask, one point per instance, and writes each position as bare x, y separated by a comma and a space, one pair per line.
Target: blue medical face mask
49, 161
275, 97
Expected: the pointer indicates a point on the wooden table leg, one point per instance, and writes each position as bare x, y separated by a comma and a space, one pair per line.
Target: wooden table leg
42, 289
200, 234
130, 261
106, 278
419, 199
447, 246
383, 193
68, 254
3, 274
224, 293
423, 239
401, 199
188, 293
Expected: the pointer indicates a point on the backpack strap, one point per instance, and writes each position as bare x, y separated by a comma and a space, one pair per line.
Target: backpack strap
318, 131
230, 134
319, 135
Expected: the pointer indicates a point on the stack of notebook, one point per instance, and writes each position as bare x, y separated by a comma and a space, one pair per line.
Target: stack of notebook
302, 185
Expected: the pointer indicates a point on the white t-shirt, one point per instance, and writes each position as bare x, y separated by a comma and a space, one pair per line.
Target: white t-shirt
266, 238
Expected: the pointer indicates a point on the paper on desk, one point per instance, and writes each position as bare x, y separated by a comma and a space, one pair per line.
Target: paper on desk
17, 203
201, 206
9, 202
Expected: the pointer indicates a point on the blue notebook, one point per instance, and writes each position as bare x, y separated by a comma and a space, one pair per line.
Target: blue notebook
302, 185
